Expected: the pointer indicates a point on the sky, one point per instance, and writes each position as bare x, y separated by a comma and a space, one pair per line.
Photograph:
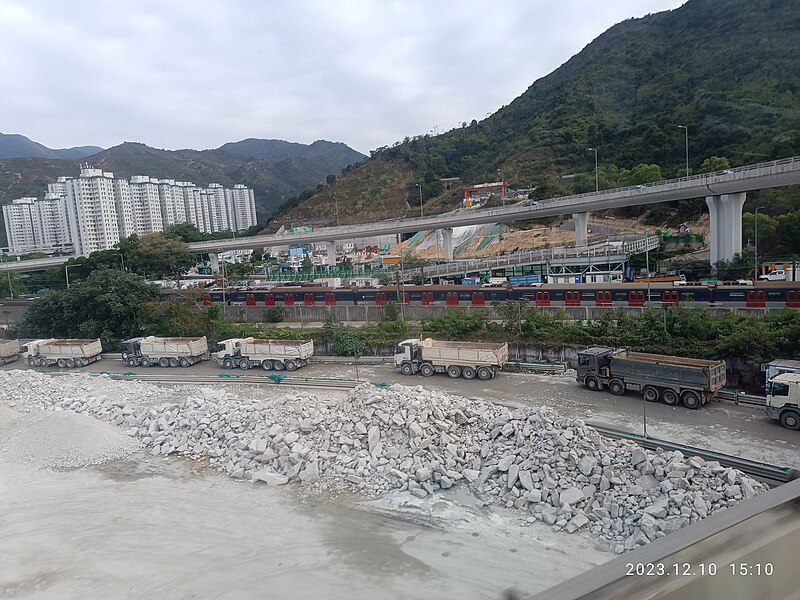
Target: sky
200, 73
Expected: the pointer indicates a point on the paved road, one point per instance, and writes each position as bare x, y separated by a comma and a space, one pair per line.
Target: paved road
738, 430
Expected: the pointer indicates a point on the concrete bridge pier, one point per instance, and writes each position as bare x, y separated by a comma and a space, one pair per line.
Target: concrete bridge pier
581, 228
725, 211
447, 243
213, 258
330, 249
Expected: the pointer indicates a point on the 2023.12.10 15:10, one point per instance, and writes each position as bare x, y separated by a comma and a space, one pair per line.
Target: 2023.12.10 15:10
700, 569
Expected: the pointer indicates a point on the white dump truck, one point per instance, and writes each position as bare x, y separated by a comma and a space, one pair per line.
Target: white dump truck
457, 359
783, 400
249, 353
164, 351
64, 353
9, 351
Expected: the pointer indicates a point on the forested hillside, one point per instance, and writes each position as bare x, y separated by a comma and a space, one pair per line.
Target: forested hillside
726, 69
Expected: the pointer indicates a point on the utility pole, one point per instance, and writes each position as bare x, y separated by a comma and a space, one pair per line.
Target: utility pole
686, 131
66, 272
755, 257
647, 265
420, 201
337, 209
503, 181
596, 173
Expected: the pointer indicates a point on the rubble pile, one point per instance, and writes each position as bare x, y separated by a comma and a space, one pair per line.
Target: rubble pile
557, 470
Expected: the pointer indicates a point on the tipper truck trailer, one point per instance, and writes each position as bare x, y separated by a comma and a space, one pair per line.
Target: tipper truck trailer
164, 352
783, 400
457, 359
249, 353
64, 353
671, 379
9, 351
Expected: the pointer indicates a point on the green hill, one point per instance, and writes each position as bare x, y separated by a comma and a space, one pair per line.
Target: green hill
276, 170
726, 69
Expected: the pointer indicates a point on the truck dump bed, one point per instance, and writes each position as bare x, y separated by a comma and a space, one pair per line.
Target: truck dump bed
468, 353
169, 347
9, 348
71, 348
708, 374
254, 348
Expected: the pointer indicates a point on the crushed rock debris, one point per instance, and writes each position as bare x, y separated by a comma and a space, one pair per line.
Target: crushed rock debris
554, 469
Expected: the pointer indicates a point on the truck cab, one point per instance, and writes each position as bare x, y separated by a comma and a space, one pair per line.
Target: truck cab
783, 400
131, 348
228, 349
406, 351
31, 349
593, 361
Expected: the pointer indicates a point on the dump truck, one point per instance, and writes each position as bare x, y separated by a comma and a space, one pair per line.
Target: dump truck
164, 352
671, 379
249, 353
63, 353
783, 400
457, 359
9, 351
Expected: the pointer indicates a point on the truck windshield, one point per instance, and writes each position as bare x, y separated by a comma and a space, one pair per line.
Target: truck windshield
584, 360
400, 350
779, 389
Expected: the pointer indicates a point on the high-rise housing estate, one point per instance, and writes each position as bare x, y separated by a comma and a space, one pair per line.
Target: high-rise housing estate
94, 211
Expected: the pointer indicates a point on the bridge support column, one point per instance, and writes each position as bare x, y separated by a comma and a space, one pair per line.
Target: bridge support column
447, 243
213, 258
330, 249
581, 228
726, 226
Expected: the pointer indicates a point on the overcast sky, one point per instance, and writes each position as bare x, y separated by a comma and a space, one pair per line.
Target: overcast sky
199, 73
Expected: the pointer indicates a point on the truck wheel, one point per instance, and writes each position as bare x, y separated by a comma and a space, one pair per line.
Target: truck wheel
426, 370
244, 364
406, 369
454, 371
691, 400
290, 365
70, 363
790, 420
266, 365
145, 361
484, 373
591, 383
131, 362
61, 363
616, 387
79, 362
185, 362
278, 365
651, 394
31, 361
174, 362
669, 397
124, 357
468, 373
163, 362
227, 363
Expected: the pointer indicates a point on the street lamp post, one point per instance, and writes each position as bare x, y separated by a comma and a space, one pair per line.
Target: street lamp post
686, 131
647, 264
596, 173
502, 180
122, 258
420, 201
224, 278
337, 209
755, 247
66, 273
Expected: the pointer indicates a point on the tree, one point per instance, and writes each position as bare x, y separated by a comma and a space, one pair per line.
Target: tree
186, 232
347, 264
330, 179
105, 305
307, 265
715, 163
156, 255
